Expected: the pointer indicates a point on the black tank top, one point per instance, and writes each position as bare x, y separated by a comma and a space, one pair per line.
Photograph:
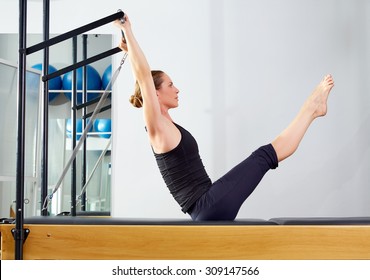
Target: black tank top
183, 171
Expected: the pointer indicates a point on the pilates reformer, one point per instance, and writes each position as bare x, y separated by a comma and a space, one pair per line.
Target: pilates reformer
99, 238
91, 237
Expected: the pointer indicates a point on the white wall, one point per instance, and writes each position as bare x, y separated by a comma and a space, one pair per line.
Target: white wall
280, 49
243, 68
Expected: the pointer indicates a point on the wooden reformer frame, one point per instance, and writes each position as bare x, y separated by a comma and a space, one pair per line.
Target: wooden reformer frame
190, 241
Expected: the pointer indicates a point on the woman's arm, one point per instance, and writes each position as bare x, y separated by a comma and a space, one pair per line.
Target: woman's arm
162, 133
142, 72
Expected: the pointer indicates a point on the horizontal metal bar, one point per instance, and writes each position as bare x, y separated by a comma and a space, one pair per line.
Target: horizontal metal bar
75, 32
88, 103
81, 64
105, 108
78, 91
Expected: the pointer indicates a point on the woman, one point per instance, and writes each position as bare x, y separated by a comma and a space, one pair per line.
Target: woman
176, 150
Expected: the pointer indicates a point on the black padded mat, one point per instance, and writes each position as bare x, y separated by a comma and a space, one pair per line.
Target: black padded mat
77, 220
321, 220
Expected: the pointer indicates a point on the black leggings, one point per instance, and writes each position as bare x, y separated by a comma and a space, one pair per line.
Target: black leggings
225, 197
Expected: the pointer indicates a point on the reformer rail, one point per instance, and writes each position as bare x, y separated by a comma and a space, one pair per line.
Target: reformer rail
19, 231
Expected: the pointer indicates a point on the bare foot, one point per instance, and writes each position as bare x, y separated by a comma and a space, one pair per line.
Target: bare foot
317, 102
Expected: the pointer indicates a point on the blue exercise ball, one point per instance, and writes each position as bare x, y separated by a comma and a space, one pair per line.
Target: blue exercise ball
93, 82
107, 76
79, 123
104, 126
54, 84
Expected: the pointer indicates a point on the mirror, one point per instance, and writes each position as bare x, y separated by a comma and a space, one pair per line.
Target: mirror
96, 161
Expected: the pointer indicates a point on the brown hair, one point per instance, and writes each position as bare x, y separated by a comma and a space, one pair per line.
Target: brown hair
136, 99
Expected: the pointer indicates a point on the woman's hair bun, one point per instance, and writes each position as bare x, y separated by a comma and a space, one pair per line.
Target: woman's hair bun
136, 101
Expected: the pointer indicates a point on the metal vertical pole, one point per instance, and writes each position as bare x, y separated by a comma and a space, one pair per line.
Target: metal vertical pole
21, 107
74, 134
45, 134
84, 99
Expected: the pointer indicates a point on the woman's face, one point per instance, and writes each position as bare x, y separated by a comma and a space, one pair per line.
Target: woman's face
168, 93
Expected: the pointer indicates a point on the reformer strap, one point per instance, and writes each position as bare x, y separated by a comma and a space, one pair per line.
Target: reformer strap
84, 134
